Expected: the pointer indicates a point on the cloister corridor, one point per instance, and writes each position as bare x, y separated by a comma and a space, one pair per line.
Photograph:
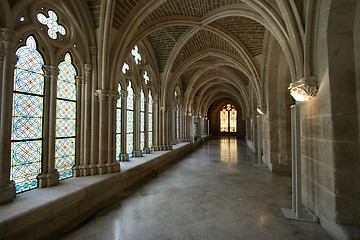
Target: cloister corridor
213, 193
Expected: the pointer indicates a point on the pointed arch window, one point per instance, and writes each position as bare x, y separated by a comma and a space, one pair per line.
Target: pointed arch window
142, 121
150, 122
118, 126
228, 119
27, 117
130, 121
65, 119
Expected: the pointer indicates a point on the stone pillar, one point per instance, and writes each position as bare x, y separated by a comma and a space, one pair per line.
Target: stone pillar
112, 165
146, 128
7, 60
137, 151
79, 147
172, 125
49, 176
123, 156
165, 123
105, 101
87, 120
187, 127
156, 123
94, 149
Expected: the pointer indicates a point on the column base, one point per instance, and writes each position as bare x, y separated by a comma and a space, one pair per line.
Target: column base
77, 171
147, 150
49, 179
113, 167
93, 169
7, 192
102, 169
137, 153
124, 157
85, 170
157, 148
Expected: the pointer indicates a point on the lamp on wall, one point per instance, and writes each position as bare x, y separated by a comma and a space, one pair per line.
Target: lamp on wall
304, 90
261, 109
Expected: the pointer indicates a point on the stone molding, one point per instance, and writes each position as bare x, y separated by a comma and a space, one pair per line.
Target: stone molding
107, 95
8, 35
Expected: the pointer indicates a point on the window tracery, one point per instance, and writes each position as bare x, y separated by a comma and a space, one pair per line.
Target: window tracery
130, 121
52, 23
228, 119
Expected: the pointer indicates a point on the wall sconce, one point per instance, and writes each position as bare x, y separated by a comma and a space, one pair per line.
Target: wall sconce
261, 109
304, 90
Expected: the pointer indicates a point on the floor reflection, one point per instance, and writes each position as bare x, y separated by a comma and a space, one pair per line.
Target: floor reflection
228, 150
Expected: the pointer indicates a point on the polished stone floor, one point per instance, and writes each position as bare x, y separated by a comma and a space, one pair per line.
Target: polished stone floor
213, 193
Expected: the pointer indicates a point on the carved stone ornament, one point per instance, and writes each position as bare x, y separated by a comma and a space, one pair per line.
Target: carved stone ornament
8, 35
305, 89
50, 71
107, 95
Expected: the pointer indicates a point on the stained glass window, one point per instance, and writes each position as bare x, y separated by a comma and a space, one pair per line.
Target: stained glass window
65, 119
27, 117
146, 77
52, 24
130, 121
125, 68
150, 120
136, 54
142, 122
118, 126
228, 119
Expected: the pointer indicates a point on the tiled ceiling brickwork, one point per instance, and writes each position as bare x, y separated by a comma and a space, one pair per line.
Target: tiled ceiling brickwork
200, 41
193, 8
249, 32
210, 59
163, 41
122, 10
95, 8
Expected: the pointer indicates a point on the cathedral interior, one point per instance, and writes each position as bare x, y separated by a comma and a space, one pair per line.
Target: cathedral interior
99, 96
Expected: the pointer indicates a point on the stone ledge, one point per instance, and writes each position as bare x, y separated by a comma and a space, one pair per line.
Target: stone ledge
48, 212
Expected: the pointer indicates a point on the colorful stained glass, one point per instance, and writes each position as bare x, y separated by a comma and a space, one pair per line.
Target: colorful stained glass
228, 119
136, 54
65, 118
130, 121
26, 135
118, 126
52, 24
233, 120
65, 157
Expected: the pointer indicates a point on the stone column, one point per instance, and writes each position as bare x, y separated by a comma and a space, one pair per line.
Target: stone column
79, 147
49, 175
124, 156
87, 121
8, 60
156, 123
137, 151
172, 126
94, 149
111, 164
105, 99
166, 135
146, 128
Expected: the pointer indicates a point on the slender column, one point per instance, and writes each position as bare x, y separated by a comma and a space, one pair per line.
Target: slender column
104, 101
111, 164
173, 125
79, 146
8, 59
86, 116
165, 116
156, 123
49, 176
187, 127
137, 151
146, 127
124, 156
94, 149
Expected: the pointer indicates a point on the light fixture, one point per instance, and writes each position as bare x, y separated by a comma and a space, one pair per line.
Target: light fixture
261, 109
304, 90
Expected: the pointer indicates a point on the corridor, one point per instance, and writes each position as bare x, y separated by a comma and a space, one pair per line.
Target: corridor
213, 193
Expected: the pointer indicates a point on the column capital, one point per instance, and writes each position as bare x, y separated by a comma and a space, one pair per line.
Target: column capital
93, 51
137, 96
164, 109
124, 94
87, 68
80, 80
50, 71
8, 35
107, 95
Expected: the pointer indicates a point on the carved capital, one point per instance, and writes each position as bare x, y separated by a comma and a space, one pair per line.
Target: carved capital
8, 35
305, 89
124, 94
50, 71
80, 80
107, 95
93, 51
87, 68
